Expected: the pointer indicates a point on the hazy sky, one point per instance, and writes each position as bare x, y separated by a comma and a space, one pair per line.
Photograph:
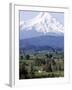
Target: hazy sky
26, 15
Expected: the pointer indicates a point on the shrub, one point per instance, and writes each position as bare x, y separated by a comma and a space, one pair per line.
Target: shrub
21, 57
27, 57
23, 72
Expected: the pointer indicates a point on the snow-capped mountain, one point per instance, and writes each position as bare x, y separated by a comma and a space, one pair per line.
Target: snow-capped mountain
42, 24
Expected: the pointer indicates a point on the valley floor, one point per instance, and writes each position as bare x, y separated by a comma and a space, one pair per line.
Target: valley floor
41, 65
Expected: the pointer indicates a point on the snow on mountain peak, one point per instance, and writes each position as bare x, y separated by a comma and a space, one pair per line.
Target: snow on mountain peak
44, 23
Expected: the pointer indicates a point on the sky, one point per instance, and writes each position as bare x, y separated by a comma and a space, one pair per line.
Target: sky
27, 15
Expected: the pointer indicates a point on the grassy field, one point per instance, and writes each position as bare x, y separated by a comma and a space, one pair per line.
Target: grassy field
41, 65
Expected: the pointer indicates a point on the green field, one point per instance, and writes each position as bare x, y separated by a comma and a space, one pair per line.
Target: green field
41, 65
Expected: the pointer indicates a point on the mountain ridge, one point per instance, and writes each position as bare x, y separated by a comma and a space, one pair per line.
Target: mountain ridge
43, 43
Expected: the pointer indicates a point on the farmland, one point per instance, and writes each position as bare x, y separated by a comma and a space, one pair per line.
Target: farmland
42, 64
